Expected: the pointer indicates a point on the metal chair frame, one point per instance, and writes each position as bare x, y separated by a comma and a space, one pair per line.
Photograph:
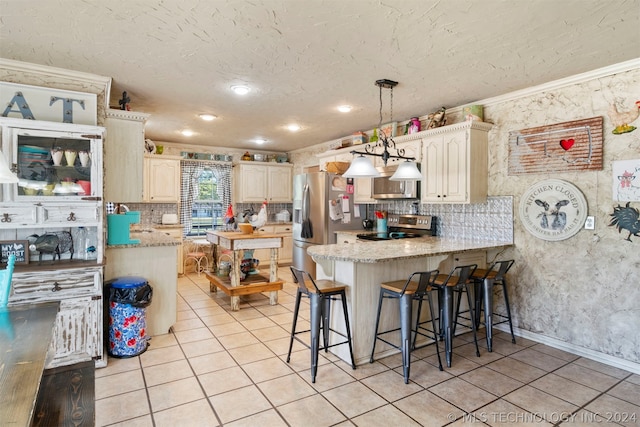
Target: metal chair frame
458, 280
320, 306
406, 296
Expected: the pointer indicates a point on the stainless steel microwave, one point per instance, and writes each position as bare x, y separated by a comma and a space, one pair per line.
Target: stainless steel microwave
383, 188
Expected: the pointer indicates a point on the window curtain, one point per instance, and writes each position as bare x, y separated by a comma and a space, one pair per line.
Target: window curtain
189, 187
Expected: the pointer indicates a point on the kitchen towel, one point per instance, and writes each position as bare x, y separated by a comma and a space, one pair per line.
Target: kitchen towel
307, 230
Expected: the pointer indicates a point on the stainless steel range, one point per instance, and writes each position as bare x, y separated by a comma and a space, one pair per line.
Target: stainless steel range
404, 226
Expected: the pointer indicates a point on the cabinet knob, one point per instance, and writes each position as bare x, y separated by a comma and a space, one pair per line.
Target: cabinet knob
5, 218
71, 217
56, 287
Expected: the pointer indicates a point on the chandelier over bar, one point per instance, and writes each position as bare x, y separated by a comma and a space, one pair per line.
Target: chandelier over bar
361, 167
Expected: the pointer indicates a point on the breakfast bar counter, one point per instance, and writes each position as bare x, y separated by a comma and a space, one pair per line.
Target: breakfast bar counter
363, 266
237, 242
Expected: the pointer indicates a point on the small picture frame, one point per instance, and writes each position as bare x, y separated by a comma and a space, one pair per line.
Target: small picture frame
388, 129
20, 248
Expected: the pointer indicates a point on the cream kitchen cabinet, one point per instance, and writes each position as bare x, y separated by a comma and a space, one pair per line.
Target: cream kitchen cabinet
161, 179
455, 163
362, 191
123, 156
255, 182
412, 148
176, 233
285, 253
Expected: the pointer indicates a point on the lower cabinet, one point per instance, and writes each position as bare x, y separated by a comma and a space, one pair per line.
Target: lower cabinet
285, 253
78, 334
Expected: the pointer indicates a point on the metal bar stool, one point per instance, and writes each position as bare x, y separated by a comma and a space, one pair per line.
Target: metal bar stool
320, 293
415, 288
494, 275
458, 280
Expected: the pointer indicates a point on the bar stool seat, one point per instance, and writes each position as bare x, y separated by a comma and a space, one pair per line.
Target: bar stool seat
487, 279
415, 288
320, 293
458, 280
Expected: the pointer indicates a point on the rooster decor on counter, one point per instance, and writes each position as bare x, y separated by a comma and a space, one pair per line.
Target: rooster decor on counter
621, 120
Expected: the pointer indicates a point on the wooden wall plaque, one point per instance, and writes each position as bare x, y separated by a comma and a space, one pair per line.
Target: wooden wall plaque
568, 146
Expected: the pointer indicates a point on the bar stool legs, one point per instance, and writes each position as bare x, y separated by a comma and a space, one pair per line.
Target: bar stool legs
320, 294
495, 275
406, 292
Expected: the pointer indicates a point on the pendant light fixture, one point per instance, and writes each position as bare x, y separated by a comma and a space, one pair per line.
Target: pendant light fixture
6, 175
361, 166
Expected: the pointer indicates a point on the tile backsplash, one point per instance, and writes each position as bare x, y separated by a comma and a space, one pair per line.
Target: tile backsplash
491, 220
151, 213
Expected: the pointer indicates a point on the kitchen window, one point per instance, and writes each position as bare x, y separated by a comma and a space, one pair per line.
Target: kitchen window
205, 195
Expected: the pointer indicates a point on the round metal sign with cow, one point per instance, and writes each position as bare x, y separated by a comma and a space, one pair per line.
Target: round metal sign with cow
553, 209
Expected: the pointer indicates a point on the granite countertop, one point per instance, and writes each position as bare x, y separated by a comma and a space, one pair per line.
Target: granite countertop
148, 238
390, 250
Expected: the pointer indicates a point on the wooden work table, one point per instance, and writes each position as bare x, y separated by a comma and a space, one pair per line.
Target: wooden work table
25, 336
237, 242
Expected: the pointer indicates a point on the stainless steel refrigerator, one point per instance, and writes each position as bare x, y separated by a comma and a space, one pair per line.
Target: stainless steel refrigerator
322, 205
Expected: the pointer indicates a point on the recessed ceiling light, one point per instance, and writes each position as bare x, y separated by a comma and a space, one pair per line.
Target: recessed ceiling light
187, 132
241, 89
207, 117
344, 108
260, 141
293, 127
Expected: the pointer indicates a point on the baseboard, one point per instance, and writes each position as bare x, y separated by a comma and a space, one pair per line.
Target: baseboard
574, 349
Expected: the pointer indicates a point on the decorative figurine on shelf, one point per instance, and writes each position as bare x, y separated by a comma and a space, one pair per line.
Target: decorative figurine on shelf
124, 102
414, 125
622, 120
437, 119
51, 243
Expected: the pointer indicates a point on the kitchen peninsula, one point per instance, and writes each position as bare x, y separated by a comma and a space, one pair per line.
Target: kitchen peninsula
154, 258
363, 266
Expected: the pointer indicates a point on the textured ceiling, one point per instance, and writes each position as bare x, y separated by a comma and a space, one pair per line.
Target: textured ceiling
178, 58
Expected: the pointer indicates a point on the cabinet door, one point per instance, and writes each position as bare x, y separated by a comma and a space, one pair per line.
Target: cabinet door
77, 334
433, 170
162, 180
123, 174
455, 169
362, 191
253, 183
280, 184
285, 253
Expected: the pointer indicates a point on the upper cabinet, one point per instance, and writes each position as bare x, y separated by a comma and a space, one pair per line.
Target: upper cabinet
54, 160
255, 182
124, 152
161, 179
455, 163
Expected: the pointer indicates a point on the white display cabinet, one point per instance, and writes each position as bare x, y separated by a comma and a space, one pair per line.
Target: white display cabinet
60, 202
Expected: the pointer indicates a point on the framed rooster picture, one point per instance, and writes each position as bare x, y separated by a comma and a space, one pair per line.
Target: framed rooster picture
626, 180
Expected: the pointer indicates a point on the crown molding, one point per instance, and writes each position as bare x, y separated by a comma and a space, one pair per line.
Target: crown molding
127, 115
610, 70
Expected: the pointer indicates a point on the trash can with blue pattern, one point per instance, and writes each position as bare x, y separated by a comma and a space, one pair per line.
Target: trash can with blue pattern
128, 298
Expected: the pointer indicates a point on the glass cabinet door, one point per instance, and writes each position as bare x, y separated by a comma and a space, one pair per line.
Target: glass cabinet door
52, 164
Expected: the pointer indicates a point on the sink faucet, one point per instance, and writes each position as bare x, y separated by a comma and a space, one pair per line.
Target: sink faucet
121, 207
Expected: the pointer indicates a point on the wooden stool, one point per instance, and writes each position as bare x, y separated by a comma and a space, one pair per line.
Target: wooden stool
320, 295
415, 288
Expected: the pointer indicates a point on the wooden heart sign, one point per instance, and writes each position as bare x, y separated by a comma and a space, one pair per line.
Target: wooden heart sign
567, 143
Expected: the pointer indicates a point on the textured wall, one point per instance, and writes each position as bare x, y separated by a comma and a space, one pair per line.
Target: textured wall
583, 290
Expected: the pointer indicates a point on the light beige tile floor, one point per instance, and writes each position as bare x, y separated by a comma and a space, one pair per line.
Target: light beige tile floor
224, 368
